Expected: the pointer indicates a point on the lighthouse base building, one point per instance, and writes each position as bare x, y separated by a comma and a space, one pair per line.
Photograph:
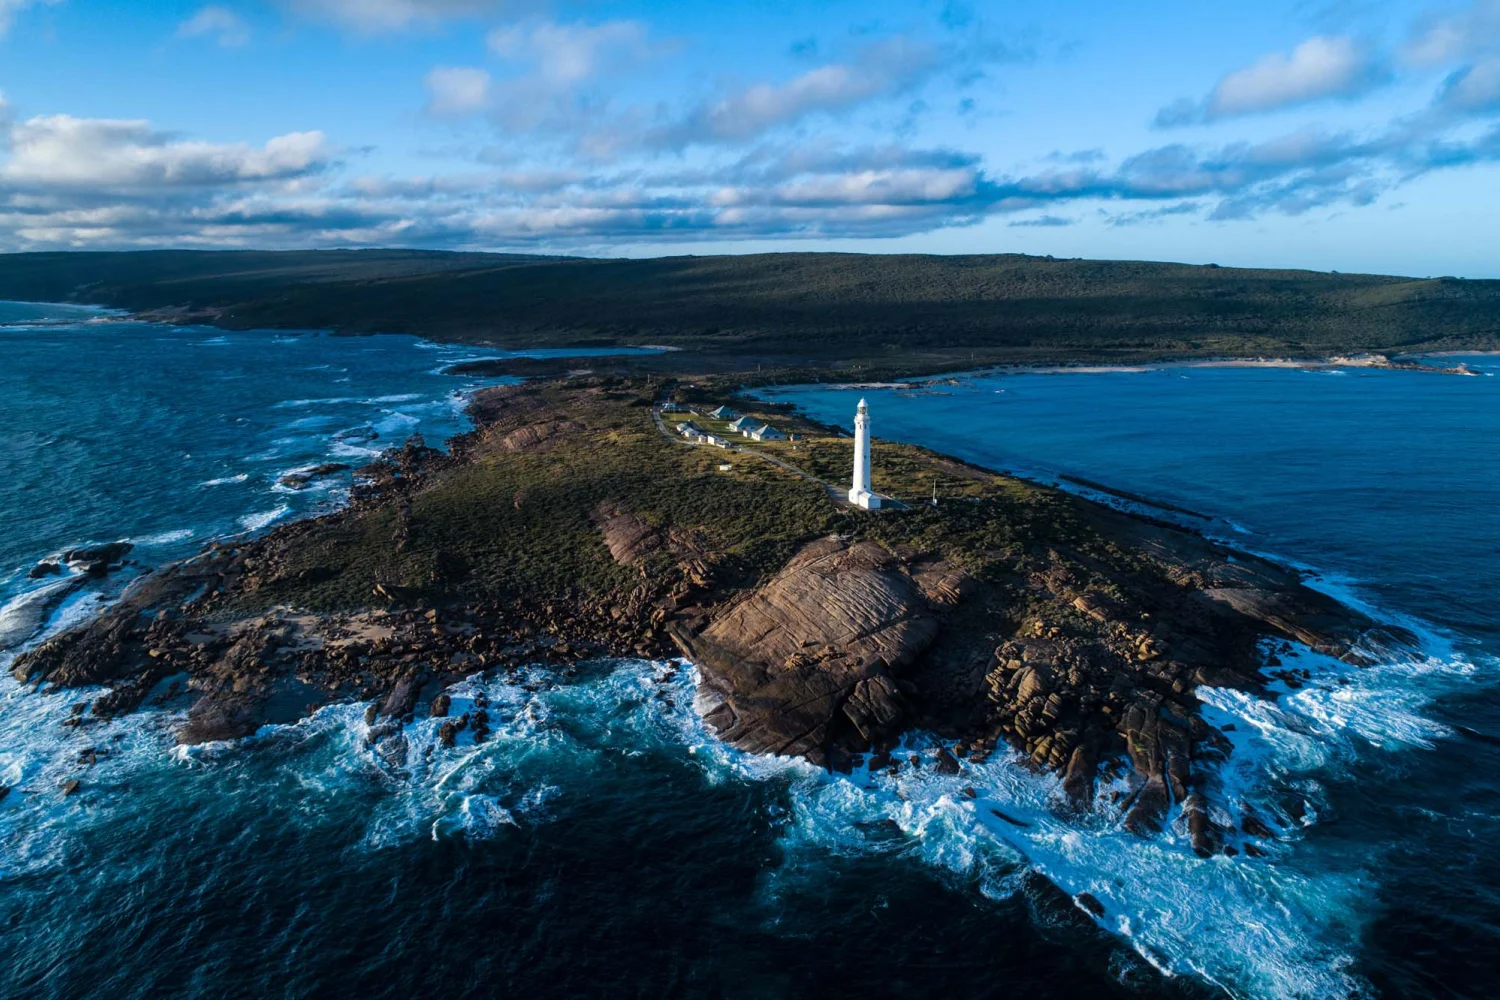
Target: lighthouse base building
860, 494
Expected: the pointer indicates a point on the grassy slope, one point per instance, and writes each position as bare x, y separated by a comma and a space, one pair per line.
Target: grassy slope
512, 524
521, 524
826, 308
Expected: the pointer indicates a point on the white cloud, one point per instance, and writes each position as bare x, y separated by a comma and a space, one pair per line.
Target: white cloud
10, 8
568, 54
62, 151
879, 70
1462, 35
552, 76
911, 186
457, 90
372, 16
225, 25
1320, 67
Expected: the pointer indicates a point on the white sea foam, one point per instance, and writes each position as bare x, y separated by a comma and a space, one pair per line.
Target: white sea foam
346, 449
1275, 928
38, 755
1259, 928
293, 404
395, 421
255, 522
163, 538
226, 480
26, 614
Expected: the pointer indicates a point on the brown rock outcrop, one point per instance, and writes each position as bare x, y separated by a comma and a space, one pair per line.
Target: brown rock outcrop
808, 659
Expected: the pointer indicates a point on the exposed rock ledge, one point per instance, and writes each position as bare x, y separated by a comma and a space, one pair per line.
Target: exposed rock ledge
849, 645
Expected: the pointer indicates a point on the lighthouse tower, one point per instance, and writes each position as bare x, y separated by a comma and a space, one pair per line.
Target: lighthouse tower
860, 493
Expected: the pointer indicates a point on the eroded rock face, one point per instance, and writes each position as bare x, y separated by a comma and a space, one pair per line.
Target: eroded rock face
513, 422
813, 657
536, 437
630, 538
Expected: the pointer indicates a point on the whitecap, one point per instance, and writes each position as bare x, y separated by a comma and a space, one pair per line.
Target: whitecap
344, 449
1283, 928
255, 522
292, 404
164, 538
226, 480
395, 421
25, 615
482, 817
37, 757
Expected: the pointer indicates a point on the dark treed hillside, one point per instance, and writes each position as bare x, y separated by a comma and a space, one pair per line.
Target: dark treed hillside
817, 307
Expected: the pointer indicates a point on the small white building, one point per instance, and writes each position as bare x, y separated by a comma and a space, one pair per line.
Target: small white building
860, 493
766, 432
723, 413
689, 429
743, 425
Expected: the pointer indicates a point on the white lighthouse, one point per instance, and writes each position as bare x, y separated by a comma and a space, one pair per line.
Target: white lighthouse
860, 493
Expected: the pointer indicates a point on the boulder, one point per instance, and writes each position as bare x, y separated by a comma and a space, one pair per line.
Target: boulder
876, 708
946, 762
107, 554
1078, 780
401, 699
220, 716
449, 730
303, 477
1201, 829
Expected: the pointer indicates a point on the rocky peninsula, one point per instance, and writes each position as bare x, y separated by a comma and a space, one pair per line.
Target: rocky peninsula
571, 525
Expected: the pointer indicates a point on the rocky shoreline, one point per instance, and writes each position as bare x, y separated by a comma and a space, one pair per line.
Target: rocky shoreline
565, 528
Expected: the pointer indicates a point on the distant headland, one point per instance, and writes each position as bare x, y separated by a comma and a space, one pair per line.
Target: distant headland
791, 316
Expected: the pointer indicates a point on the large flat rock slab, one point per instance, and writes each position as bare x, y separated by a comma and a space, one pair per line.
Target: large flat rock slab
809, 657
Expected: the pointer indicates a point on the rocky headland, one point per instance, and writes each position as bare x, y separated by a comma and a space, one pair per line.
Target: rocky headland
570, 526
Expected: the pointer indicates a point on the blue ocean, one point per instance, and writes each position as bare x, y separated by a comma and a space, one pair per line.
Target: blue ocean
604, 844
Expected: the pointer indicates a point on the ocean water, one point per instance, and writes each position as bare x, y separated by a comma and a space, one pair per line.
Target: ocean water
169, 436
1386, 486
602, 843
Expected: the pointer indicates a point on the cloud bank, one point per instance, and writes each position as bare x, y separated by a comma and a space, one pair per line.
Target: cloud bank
823, 151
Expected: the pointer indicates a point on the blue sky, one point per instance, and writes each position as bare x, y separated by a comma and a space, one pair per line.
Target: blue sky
1338, 135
